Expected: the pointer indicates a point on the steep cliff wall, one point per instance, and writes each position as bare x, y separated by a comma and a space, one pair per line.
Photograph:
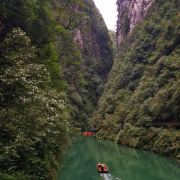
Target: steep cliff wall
92, 39
140, 105
94, 42
85, 53
130, 13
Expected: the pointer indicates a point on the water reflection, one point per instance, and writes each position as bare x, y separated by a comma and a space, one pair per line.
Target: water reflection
123, 163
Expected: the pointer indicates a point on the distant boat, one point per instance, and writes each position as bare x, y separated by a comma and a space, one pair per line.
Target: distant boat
88, 133
102, 168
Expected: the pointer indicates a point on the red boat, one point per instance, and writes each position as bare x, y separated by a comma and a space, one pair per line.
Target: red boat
88, 134
102, 168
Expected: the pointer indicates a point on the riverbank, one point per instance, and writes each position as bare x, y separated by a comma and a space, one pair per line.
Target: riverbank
158, 140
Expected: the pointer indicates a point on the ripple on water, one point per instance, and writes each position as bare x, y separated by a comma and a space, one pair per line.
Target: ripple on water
109, 177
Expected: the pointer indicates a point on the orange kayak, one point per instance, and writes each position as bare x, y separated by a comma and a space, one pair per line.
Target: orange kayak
88, 134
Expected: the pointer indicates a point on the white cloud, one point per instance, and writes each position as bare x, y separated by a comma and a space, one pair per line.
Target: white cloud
108, 10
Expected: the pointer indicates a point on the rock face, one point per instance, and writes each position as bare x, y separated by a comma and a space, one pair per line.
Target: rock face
93, 41
92, 60
78, 39
130, 12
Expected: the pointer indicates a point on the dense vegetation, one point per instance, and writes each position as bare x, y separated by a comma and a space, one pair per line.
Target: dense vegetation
33, 110
112, 35
140, 106
46, 80
34, 117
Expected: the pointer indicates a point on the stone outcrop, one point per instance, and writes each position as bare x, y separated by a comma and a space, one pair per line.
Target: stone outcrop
78, 39
130, 13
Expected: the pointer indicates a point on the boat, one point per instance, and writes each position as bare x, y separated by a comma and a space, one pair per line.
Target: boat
102, 168
88, 133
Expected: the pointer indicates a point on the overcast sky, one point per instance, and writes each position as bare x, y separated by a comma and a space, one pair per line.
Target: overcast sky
108, 10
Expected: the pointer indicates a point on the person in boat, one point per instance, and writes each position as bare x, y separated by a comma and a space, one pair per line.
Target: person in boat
102, 168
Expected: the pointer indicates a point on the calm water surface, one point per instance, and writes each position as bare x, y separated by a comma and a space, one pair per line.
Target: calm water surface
123, 163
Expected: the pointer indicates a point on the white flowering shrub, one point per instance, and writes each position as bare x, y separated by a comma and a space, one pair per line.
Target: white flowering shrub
34, 117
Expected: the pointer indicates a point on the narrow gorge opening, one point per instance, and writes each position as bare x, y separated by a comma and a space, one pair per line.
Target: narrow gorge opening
108, 10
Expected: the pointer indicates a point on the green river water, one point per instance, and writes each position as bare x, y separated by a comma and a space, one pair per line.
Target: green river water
79, 163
